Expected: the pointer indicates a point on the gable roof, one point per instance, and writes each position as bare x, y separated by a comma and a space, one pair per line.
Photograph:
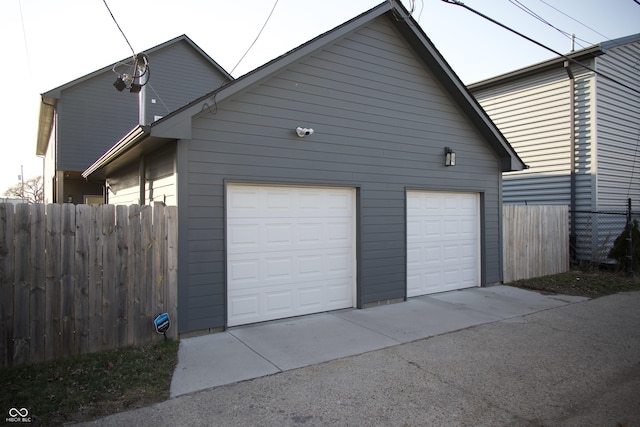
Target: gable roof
177, 125
49, 99
579, 55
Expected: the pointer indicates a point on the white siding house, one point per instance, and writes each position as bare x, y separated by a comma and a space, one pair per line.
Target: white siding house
578, 131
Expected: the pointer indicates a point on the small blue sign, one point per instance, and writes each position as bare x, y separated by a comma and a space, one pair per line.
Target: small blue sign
162, 323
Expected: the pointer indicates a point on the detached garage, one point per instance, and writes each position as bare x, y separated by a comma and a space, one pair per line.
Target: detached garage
275, 223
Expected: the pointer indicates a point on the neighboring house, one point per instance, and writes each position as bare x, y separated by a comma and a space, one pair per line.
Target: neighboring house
578, 132
80, 120
359, 212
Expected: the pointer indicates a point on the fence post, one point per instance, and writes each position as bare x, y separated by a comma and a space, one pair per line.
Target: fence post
629, 241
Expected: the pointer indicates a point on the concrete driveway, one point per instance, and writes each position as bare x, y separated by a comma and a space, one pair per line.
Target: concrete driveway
492, 356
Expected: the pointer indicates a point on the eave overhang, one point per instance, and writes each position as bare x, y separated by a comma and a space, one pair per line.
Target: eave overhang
45, 124
138, 142
581, 56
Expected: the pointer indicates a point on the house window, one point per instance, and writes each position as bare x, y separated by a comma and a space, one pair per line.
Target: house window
93, 200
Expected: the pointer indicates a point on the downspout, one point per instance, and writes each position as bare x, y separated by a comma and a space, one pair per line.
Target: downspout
142, 180
572, 157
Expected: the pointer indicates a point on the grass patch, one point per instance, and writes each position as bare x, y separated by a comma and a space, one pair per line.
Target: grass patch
589, 282
86, 387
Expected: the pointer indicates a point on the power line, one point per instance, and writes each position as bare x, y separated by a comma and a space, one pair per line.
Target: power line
537, 16
133, 52
575, 20
159, 98
530, 12
257, 37
598, 73
24, 37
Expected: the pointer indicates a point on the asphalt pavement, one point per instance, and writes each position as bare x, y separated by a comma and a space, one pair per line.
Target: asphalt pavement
480, 357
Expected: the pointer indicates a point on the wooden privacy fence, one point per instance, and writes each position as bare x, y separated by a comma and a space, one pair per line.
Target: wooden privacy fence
77, 279
536, 241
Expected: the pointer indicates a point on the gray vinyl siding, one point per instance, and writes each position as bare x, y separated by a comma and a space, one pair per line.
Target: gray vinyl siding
618, 112
160, 181
94, 115
381, 123
160, 184
124, 188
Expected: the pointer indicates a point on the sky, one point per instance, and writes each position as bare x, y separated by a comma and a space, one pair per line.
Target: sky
45, 44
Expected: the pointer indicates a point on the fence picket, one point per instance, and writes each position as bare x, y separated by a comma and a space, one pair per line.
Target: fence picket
82, 298
146, 289
67, 281
95, 322
121, 294
53, 334
38, 288
110, 276
134, 276
7, 262
158, 261
22, 285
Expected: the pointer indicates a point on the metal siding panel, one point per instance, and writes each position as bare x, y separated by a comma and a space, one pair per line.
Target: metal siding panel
618, 112
370, 133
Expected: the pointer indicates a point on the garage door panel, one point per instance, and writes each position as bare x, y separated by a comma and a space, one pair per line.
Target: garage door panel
310, 297
244, 270
443, 246
338, 264
278, 234
244, 306
338, 294
278, 301
243, 235
292, 250
279, 268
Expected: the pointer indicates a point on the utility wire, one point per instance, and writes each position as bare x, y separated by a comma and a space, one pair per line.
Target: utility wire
537, 16
257, 37
24, 37
133, 52
598, 73
575, 20
159, 98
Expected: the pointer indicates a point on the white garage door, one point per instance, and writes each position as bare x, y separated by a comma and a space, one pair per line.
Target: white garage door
290, 251
443, 241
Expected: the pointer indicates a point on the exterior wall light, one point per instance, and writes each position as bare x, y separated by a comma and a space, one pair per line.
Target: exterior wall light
449, 157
